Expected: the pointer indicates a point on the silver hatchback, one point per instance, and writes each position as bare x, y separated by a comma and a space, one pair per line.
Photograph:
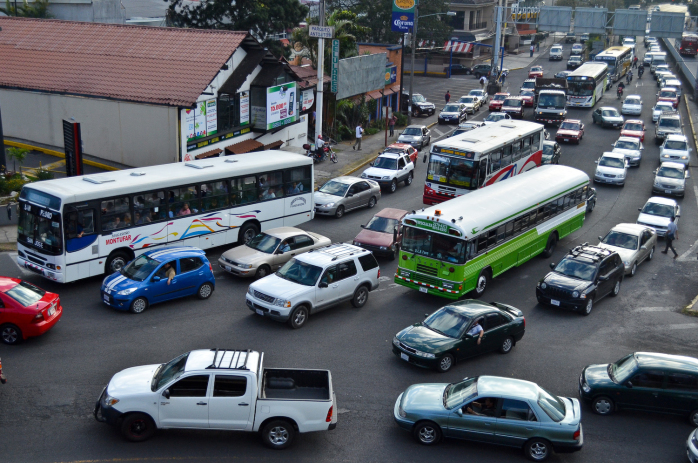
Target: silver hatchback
343, 194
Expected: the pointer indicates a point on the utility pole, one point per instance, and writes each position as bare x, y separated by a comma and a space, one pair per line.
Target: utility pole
414, 46
320, 75
497, 42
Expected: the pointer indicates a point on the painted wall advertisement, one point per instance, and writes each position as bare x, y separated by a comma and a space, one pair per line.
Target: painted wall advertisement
201, 121
308, 99
244, 108
403, 15
390, 75
281, 105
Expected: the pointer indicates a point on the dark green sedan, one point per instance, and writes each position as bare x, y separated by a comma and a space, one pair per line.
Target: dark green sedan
643, 381
450, 334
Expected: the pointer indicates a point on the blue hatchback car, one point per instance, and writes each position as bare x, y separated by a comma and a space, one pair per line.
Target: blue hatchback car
158, 276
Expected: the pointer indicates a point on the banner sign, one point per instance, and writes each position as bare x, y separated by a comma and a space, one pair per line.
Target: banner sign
390, 75
198, 123
308, 99
403, 15
244, 108
321, 32
281, 105
335, 65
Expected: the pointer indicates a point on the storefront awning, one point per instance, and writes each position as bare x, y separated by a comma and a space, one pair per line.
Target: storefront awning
273, 145
245, 146
208, 154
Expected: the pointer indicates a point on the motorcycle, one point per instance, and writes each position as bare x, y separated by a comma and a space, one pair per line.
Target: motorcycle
619, 92
640, 72
327, 152
629, 77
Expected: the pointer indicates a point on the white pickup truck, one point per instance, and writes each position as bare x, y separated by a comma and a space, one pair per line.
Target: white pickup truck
219, 389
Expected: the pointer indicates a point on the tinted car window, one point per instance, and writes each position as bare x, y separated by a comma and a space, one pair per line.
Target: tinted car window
192, 386
347, 269
516, 410
682, 382
190, 263
301, 241
368, 262
493, 320
330, 275
650, 379
229, 386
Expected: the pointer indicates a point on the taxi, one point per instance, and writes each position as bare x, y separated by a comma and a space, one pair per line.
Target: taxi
535, 71
633, 128
528, 98
497, 100
669, 94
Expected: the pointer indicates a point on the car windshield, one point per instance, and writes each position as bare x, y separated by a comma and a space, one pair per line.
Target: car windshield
529, 84
467, 99
670, 172
610, 113
395, 150
460, 131
576, 269
495, 117
434, 245
620, 240
527, 93
547, 100
627, 145
385, 163
459, 393
536, 68
664, 107
513, 103
581, 88
623, 369
412, 131
672, 123
334, 188
675, 145
570, 126
140, 268
661, 210
616, 163
500, 97
26, 294
417, 98
476, 92
299, 272
575, 58
447, 321
552, 405
451, 108
381, 224
264, 243
452, 171
632, 101
667, 94
548, 150
634, 126
169, 371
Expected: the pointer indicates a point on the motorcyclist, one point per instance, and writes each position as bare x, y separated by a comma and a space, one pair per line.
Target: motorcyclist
629, 76
621, 87
640, 71
319, 147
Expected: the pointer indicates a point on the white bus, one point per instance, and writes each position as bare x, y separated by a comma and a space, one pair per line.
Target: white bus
618, 59
78, 227
586, 84
481, 157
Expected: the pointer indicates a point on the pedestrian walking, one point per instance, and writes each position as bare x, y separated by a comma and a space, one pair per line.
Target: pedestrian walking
359, 134
672, 233
635, 62
447, 97
504, 76
483, 81
538, 46
531, 50
391, 123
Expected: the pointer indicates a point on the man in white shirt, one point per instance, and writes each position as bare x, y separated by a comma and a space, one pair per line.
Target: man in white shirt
359, 134
477, 330
483, 81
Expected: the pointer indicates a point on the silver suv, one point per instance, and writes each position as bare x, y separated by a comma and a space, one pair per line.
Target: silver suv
315, 281
669, 123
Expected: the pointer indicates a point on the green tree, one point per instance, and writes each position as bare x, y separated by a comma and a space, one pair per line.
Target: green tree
38, 9
18, 154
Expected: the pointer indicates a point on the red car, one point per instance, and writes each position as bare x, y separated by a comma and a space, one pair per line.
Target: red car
528, 98
571, 130
410, 150
383, 233
669, 94
514, 106
497, 100
633, 128
27, 310
536, 71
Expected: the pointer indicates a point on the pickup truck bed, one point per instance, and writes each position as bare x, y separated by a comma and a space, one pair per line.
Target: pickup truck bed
295, 384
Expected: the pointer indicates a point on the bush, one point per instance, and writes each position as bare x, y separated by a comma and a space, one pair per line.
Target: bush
14, 185
344, 133
43, 174
372, 131
401, 120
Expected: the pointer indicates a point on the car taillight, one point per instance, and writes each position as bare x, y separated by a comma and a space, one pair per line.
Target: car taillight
38, 317
210, 267
575, 436
524, 322
329, 415
379, 273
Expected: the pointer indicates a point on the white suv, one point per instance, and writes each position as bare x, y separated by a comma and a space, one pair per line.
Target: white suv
389, 169
675, 149
314, 281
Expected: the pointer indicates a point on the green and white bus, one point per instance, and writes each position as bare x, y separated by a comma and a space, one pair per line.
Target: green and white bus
460, 245
587, 84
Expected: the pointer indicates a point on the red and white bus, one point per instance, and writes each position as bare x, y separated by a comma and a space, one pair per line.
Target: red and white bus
688, 45
482, 157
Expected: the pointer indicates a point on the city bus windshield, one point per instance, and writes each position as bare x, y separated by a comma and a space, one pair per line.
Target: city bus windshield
40, 229
452, 171
434, 245
580, 87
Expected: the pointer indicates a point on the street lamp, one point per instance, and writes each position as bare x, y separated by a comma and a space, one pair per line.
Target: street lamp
414, 46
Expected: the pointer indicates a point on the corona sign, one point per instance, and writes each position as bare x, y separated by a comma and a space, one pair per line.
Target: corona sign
403, 15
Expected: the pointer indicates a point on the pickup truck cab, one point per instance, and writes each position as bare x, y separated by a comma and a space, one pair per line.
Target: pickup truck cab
218, 389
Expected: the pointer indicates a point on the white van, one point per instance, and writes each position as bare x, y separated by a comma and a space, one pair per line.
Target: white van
657, 60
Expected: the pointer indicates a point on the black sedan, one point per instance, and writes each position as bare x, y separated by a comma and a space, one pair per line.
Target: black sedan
450, 334
458, 69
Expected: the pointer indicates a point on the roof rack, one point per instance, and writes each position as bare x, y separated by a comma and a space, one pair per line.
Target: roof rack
235, 357
595, 253
337, 250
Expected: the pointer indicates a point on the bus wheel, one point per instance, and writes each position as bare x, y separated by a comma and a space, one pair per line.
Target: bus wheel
482, 282
550, 247
247, 232
116, 262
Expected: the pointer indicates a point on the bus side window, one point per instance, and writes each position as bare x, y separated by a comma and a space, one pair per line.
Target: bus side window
274, 185
526, 148
506, 156
501, 233
540, 216
183, 201
214, 196
481, 243
491, 238
495, 161
482, 175
517, 225
536, 142
524, 222
550, 209
532, 221
244, 190
116, 214
516, 148
79, 224
297, 180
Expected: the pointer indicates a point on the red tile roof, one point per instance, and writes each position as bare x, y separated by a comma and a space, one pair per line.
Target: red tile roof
158, 65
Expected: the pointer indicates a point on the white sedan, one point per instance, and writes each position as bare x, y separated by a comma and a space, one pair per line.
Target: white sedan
660, 107
611, 168
481, 94
631, 148
632, 105
496, 117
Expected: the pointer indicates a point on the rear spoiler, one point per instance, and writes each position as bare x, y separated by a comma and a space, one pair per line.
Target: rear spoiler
512, 310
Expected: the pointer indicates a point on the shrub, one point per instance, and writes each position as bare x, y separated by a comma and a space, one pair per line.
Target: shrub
372, 131
43, 174
14, 184
401, 120
344, 133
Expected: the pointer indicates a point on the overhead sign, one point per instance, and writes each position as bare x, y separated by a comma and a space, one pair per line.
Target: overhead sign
281, 105
321, 32
403, 16
667, 24
629, 22
390, 75
335, 66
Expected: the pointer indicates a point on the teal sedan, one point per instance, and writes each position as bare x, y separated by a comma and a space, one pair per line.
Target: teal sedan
445, 337
494, 410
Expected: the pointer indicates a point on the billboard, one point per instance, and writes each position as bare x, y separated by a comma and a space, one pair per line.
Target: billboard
390, 75
281, 105
403, 16
201, 121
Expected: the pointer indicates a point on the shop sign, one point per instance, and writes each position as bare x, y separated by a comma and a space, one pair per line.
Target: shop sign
213, 141
335, 66
308, 99
390, 75
244, 108
281, 105
196, 123
403, 16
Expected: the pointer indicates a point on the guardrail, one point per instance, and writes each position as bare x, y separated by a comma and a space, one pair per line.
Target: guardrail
682, 64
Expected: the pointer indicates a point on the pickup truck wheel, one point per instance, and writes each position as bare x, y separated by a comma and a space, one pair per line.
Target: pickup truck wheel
137, 427
408, 180
298, 317
360, 297
278, 434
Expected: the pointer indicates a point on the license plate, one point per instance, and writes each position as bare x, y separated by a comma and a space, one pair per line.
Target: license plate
51, 311
667, 192
423, 290
566, 139
554, 302
404, 357
259, 312
227, 267
106, 298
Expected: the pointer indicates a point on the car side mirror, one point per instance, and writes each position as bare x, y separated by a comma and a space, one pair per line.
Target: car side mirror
639, 209
600, 238
362, 226
459, 412
156, 278
552, 265
629, 385
322, 285
349, 195
596, 162
644, 246
279, 251
678, 215
166, 393
603, 278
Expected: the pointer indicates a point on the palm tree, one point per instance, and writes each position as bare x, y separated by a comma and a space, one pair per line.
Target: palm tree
38, 9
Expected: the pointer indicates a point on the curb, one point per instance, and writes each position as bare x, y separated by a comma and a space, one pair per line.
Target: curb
690, 120
690, 309
432, 125
58, 154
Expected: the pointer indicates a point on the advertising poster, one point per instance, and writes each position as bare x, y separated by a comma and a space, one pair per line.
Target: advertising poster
390, 75
188, 124
281, 105
244, 108
211, 117
403, 15
308, 100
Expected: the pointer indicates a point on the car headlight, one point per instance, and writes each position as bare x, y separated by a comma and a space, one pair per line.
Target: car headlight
684, 157
396, 341
109, 401
626, 263
543, 285
585, 387
328, 205
250, 291
575, 294
383, 248
387, 177
282, 303
126, 292
425, 355
561, 114
244, 265
401, 412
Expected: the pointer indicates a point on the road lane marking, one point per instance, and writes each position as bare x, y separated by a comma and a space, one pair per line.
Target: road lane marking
682, 326
438, 132
653, 309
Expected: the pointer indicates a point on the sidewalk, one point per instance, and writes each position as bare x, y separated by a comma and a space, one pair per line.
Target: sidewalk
524, 60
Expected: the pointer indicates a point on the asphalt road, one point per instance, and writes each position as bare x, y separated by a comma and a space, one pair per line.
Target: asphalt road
54, 380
